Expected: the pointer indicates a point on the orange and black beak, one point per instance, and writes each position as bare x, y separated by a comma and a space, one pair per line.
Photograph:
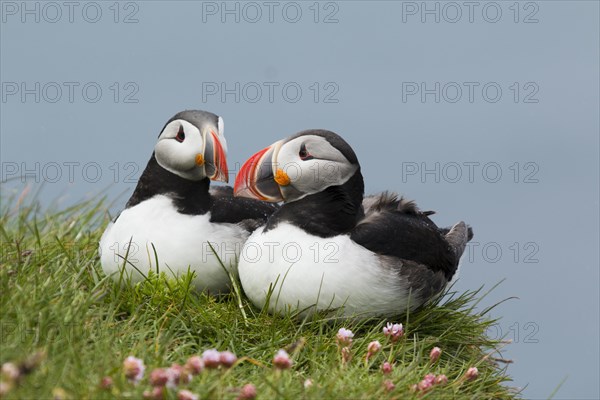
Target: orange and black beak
214, 157
260, 179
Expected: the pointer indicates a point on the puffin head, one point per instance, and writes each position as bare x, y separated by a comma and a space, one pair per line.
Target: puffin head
293, 168
192, 145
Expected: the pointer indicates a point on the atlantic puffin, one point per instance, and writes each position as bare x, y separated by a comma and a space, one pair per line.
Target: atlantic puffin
329, 248
173, 213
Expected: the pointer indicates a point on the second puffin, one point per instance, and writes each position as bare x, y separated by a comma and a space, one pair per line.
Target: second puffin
328, 247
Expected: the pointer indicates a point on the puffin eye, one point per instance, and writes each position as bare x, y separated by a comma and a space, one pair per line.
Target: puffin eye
304, 154
180, 135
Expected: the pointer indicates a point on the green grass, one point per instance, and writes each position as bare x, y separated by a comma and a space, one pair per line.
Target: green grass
55, 301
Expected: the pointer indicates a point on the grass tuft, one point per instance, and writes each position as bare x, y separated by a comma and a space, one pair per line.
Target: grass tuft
56, 302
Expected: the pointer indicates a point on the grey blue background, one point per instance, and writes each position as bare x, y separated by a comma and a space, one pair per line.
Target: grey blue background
359, 54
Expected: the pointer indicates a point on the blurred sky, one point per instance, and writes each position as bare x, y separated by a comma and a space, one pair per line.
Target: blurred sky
487, 112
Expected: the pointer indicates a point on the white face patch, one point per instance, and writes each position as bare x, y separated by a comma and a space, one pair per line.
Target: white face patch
177, 154
313, 164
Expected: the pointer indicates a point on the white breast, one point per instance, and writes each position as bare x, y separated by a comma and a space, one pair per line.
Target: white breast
181, 242
308, 272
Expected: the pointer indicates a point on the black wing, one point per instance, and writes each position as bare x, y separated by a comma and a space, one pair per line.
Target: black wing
395, 227
239, 210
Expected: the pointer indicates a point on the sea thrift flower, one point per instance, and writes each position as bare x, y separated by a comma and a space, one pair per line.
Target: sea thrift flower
389, 328
308, 383
472, 373
441, 379
186, 395
133, 369
177, 375
389, 385
159, 377
386, 368
106, 383
211, 358
434, 355
344, 337
394, 331
282, 360
157, 393
430, 378
194, 365
227, 358
426, 383
11, 371
248, 392
373, 348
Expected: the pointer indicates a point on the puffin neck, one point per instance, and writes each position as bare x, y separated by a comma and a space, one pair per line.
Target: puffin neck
190, 197
331, 212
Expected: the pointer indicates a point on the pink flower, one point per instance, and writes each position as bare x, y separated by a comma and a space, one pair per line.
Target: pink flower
211, 358
441, 379
11, 371
227, 358
186, 395
430, 378
388, 329
373, 348
388, 385
195, 365
424, 385
133, 369
308, 383
434, 355
157, 393
159, 377
394, 331
344, 337
248, 392
106, 383
386, 368
282, 360
427, 382
177, 375
472, 373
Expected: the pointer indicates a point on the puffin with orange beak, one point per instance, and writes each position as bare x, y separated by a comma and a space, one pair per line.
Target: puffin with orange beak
174, 222
329, 248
